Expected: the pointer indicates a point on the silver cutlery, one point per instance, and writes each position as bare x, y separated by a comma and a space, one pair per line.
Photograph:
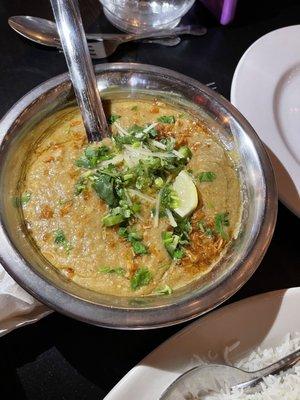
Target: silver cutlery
44, 32
213, 378
212, 85
74, 44
104, 48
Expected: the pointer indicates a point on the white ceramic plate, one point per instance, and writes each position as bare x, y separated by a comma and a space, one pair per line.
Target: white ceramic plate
266, 89
261, 320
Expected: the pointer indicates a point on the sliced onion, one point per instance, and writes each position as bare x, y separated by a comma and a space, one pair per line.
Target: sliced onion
146, 130
159, 145
120, 129
143, 196
171, 218
115, 160
157, 207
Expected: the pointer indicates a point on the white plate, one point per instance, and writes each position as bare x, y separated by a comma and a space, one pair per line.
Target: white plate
266, 89
260, 320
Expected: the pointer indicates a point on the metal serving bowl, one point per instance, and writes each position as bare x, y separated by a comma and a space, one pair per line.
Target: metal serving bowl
25, 264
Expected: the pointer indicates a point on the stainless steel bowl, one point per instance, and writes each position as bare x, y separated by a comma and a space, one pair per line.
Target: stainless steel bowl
24, 263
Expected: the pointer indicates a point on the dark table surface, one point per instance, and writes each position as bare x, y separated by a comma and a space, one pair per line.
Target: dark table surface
60, 358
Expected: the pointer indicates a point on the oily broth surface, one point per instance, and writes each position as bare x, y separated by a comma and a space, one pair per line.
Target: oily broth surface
50, 178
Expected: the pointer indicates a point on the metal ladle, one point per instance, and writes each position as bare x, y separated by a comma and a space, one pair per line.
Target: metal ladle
74, 44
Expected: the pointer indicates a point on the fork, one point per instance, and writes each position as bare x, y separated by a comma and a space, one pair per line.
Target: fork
105, 46
212, 85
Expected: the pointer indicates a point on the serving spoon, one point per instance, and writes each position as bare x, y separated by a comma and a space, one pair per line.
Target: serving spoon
74, 44
213, 378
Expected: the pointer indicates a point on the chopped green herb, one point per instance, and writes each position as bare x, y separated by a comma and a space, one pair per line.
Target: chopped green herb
93, 156
166, 119
136, 145
61, 240
163, 290
204, 228
142, 182
111, 220
134, 108
171, 242
169, 143
149, 174
136, 135
183, 229
175, 241
142, 277
178, 254
207, 176
108, 270
59, 237
120, 140
136, 208
221, 222
139, 247
123, 232
80, 186
152, 133
185, 152
135, 239
23, 200
104, 186
159, 182
169, 198
113, 118
135, 130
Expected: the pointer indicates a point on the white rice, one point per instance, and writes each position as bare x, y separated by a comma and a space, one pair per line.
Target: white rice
285, 386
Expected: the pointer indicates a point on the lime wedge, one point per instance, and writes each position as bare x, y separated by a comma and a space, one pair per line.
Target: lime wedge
187, 193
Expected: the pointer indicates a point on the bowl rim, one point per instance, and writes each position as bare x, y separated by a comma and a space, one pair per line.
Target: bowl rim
149, 318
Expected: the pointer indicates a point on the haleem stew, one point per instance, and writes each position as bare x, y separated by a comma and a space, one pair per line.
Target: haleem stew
144, 212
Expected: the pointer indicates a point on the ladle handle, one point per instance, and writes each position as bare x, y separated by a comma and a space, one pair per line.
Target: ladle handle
72, 37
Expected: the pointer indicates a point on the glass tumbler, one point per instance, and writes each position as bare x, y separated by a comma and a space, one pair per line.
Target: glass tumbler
139, 16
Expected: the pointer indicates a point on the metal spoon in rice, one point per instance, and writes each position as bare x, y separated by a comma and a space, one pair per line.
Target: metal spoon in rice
74, 44
214, 378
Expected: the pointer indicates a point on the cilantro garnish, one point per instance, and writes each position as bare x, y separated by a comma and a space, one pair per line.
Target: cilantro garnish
61, 240
204, 228
171, 242
136, 135
112, 219
185, 152
59, 237
80, 186
135, 240
169, 143
23, 200
108, 270
169, 198
113, 182
166, 119
134, 108
142, 277
176, 240
113, 118
93, 156
207, 176
221, 222
104, 186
